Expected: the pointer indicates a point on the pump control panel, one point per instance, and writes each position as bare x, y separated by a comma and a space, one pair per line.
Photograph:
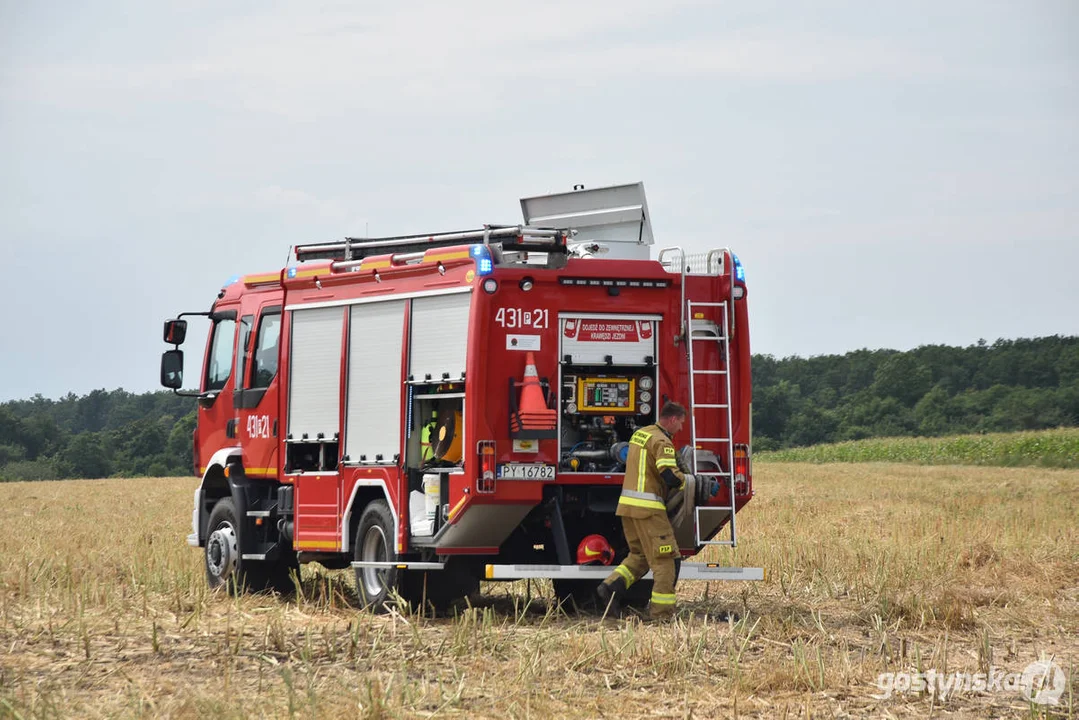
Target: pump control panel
600, 411
606, 395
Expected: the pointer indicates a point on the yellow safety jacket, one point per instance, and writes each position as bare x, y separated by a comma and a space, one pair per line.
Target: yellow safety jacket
643, 492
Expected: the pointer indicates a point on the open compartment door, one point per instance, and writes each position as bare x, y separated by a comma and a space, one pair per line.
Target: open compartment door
615, 216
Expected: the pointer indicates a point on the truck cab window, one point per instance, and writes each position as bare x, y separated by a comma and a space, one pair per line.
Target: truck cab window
219, 366
265, 361
242, 354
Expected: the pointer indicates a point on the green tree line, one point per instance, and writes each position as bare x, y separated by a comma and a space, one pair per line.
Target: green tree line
933, 390
1026, 384
101, 434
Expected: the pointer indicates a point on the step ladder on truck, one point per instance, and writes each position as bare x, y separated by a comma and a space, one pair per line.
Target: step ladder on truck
708, 325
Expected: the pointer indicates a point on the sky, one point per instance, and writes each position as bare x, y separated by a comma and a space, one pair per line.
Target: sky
891, 175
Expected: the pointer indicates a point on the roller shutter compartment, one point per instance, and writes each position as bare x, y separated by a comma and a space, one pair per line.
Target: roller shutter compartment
315, 375
373, 416
439, 337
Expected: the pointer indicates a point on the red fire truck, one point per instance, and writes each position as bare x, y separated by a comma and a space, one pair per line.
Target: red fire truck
435, 410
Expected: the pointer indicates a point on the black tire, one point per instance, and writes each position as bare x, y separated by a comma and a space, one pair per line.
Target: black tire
376, 587
224, 563
577, 595
581, 595
440, 589
375, 542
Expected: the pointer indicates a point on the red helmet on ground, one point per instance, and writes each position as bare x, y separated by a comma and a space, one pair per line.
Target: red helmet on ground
595, 549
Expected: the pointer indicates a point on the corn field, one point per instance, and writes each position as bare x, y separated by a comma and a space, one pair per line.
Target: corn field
1044, 448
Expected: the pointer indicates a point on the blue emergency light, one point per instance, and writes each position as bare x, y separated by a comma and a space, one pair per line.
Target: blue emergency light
739, 271
482, 255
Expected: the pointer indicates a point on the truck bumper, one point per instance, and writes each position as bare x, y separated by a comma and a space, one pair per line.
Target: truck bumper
193, 538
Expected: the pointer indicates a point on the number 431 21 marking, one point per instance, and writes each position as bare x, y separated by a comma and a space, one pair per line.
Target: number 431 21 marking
513, 317
258, 426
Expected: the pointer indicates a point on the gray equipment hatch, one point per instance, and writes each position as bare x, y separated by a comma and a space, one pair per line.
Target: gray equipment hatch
615, 216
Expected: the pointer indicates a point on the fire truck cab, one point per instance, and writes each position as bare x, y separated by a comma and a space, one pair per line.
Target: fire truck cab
440, 409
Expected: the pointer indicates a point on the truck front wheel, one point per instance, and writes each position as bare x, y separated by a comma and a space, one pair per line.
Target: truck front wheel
225, 566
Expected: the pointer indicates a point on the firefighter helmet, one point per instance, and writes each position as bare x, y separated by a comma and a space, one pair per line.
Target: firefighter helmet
595, 549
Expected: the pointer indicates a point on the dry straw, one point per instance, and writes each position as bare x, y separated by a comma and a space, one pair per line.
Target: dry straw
104, 612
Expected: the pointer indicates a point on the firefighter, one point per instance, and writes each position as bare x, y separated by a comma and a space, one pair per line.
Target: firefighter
652, 475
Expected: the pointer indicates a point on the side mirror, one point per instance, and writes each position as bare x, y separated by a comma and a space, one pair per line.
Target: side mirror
172, 367
175, 332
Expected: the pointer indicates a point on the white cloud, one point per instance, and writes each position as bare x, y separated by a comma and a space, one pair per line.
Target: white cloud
303, 61
841, 147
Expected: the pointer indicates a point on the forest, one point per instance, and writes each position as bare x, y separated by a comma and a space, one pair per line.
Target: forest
933, 390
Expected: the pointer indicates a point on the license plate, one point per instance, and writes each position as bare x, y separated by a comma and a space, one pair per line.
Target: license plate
525, 471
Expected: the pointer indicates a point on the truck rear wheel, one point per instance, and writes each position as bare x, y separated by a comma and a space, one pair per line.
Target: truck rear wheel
581, 594
374, 543
576, 594
440, 588
223, 557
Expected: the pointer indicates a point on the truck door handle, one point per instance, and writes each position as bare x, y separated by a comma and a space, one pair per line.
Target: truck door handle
230, 428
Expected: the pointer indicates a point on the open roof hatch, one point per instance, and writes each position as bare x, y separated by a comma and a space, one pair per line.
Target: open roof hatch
615, 216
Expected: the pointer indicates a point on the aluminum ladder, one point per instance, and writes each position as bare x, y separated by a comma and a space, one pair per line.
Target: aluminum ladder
701, 329
707, 328
352, 250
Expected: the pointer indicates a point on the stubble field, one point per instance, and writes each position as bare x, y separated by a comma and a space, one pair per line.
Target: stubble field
873, 569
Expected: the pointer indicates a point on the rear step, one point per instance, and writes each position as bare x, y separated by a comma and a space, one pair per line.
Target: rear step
399, 565
689, 571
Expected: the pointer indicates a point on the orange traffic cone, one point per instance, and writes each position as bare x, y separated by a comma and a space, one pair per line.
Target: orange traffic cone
531, 391
533, 418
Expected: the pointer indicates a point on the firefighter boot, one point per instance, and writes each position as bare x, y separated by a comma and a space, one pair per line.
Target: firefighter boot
663, 606
610, 593
660, 613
